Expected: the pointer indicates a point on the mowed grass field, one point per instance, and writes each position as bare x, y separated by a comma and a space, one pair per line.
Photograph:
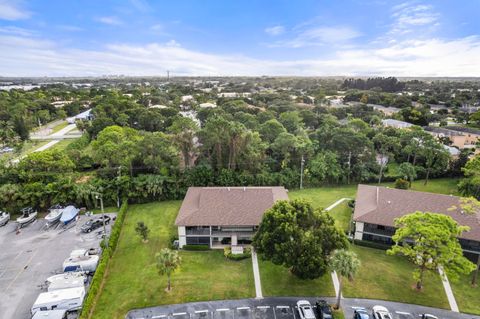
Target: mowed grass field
133, 281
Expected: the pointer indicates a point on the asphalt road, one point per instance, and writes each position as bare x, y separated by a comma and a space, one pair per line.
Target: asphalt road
279, 308
29, 257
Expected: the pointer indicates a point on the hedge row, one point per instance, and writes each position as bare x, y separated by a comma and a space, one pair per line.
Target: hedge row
89, 302
196, 247
372, 244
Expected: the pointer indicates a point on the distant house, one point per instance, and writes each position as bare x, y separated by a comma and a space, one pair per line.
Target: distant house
396, 123
158, 106
458, 139
377, 207
388, 111
187, 98
223, 216
207, 105
472, 136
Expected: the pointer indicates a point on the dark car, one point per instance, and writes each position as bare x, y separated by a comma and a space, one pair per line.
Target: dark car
360, 313
93, 224
324, 311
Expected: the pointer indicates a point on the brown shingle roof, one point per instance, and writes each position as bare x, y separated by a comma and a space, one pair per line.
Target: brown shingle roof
381, 205
227, 206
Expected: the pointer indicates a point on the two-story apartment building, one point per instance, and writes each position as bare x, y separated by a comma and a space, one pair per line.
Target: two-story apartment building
377, 207
223, 216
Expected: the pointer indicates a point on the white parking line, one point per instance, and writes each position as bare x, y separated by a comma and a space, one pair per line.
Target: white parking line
243, 308
283, 307
179, 314
402, 313
359, 308
201, 311
263, 307
223, 309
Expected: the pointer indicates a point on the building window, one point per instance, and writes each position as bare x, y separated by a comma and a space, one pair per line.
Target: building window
198, 240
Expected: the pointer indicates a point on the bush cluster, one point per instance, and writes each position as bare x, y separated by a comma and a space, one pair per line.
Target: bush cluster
227, 252
196, 247
102, 265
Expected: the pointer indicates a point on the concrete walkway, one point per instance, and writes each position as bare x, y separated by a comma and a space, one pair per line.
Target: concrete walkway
256, 276
448, 291
337, 203
336, 282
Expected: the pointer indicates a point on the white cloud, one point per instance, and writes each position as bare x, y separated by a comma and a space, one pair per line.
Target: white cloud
409, 16
12, 10
316, 36
114, 21
29, 56
13, 30
276, 30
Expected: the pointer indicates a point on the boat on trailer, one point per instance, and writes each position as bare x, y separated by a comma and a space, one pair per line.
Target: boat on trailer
4, 218
69, 214
55, 212
28, 216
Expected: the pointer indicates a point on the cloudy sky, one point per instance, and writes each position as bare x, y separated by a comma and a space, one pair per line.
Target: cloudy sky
248, 37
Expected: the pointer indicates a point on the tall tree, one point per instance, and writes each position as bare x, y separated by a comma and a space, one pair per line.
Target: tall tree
408, 172
167, 262
295, 235
346, 264
436, 157
184, 131
385, 146
429, 241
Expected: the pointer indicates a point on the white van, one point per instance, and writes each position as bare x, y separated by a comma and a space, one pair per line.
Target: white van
50, 314
65, 299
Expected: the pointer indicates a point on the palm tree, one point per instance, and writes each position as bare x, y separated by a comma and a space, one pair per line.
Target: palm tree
167, 262
346, 264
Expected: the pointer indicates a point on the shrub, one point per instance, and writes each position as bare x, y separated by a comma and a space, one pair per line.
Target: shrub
227, 252
196, 247
89, 302
400, 183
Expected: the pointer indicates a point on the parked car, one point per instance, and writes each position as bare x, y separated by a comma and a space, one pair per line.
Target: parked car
380, 312
360, 313
305, 310
93, 224
324, 311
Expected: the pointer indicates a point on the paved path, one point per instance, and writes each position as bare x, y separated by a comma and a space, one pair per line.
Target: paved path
256, 275
448, 290
46, 146
336, 282
337, 203
271, 308
60, 135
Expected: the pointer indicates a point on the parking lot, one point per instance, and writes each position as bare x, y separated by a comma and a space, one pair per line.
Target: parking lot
280, 308
28, 257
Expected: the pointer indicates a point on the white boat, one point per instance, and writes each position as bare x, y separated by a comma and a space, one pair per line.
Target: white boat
4, 218
28, 216
86, 264
69, 213
66, 277
55, 212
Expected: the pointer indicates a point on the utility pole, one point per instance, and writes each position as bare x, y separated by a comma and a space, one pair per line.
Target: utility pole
100, 196
118, 188
168, 75
301, 172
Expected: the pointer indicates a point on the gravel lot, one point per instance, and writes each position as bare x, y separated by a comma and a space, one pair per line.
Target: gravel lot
27, 258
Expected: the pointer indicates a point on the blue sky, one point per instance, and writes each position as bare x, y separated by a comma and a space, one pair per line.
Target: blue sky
303, 38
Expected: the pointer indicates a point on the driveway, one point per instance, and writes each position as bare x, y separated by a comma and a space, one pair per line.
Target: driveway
279, 308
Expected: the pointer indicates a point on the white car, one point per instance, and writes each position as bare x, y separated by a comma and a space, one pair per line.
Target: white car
305, 310
380, 312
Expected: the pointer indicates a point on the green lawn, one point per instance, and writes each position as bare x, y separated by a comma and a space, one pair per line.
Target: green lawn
133, 281
58, 127
62, 145
278, 281
342, 214
390, 278
322, 197
467, 297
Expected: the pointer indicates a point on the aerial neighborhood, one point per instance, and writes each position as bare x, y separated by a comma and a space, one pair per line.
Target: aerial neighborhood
149, 197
